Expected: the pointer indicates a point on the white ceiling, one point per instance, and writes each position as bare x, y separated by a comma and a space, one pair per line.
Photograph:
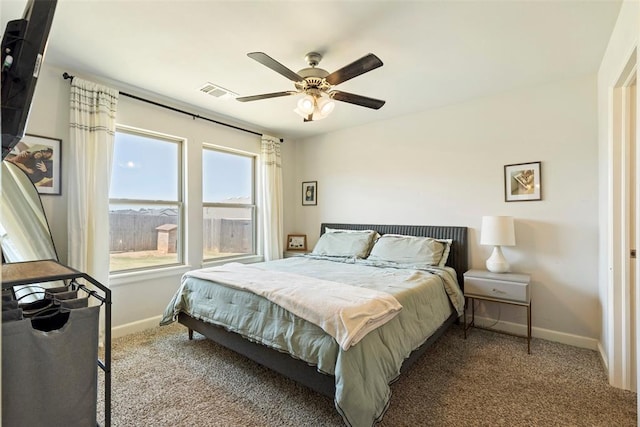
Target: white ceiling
435, 53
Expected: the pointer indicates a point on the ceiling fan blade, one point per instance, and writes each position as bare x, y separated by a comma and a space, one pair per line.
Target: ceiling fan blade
268, 61
265, 96
365, 64
360, 100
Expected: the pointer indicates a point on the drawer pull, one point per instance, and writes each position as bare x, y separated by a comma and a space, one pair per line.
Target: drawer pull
498, 291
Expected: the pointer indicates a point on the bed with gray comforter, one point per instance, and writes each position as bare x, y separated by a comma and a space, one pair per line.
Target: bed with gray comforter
428, 296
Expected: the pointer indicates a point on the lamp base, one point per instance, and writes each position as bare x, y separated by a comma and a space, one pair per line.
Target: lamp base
497, 263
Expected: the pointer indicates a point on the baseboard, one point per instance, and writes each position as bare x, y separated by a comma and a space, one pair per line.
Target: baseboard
137, 326
603, 356
513, 328
547, 334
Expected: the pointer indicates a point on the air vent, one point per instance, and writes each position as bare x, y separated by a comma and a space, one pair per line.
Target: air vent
217, 91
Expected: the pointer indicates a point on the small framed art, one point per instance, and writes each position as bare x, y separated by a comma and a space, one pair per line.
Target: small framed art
310, 193
39, 158
522, 182
297, 242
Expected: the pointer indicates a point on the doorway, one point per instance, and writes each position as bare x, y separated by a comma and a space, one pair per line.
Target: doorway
624, 226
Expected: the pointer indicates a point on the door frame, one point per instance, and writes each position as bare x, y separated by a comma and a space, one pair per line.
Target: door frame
622, 336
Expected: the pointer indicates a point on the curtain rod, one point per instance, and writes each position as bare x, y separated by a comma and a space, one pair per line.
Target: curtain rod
68, 76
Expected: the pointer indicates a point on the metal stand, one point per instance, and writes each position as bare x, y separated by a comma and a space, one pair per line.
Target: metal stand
30, 272
502, 301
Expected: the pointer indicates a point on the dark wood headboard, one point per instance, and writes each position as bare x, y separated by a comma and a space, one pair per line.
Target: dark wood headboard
458, 257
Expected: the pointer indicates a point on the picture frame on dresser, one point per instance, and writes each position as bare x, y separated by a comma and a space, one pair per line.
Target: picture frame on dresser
522, 182
297, 242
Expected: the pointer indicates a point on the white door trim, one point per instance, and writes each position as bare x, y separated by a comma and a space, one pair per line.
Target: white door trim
619, 309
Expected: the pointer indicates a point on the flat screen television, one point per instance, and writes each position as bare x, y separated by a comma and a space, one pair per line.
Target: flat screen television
23, 48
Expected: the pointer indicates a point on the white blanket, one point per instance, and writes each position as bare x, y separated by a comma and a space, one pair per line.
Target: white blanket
347, 313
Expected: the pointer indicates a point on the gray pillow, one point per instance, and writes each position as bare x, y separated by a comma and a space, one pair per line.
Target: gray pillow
408, 250
345, 244
447, 248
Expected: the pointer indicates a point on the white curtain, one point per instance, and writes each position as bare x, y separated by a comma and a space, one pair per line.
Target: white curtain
93, 125
271, 191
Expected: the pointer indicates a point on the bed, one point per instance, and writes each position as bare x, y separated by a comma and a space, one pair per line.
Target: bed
356, 374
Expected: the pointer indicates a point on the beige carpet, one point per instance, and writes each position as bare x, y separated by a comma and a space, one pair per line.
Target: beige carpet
160, 378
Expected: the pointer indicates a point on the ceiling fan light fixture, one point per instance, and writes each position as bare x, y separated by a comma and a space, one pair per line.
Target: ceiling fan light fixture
320, 107
307, 104
325, 106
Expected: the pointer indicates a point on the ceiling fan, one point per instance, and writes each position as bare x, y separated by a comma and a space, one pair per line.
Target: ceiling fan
317, 84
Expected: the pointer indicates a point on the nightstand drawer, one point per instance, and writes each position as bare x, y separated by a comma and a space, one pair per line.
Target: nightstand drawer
496, 289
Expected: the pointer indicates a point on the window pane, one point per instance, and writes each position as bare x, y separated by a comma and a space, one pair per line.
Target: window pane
143, 236
227, 232
226, 177
144, 168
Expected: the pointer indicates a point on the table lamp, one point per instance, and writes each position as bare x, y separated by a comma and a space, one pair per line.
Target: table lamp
497, 231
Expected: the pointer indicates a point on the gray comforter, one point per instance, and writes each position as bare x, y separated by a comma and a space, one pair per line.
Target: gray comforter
363, 372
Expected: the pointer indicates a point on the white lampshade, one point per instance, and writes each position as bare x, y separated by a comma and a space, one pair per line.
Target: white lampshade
497, 231
306, 104
326, 106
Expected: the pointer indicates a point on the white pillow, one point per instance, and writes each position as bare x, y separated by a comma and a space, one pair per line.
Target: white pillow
341, 230
336, 230
408, 250
347, 244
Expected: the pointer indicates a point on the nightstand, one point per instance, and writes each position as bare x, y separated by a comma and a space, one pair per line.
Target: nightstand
289, 254
503, 288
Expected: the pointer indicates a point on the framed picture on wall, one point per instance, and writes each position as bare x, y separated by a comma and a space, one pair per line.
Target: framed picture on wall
39, 157
310, 193
522, 182
297, 242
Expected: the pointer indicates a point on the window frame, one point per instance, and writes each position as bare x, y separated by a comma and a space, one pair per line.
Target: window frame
179, 203
253, 205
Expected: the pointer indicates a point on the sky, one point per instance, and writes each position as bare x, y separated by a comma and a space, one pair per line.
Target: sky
145, 169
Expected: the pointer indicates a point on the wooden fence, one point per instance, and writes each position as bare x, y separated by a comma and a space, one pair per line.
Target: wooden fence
132, 231
228, 236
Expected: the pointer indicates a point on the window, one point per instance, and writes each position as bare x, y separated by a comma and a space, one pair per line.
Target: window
229, 225
145, 201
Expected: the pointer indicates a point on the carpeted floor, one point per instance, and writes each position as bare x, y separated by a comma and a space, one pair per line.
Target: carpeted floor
160, 378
